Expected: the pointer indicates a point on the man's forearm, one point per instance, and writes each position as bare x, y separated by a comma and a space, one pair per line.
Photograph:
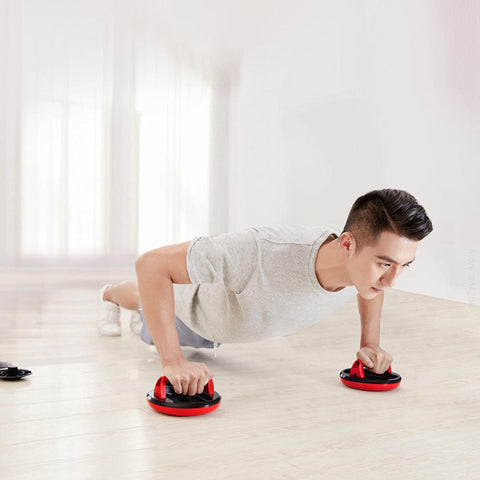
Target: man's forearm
370, 313
158, 303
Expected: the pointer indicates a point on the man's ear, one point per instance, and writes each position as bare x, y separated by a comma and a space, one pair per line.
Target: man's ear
347, 243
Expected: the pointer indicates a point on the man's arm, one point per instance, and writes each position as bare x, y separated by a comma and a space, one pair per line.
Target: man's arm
370, 353
157, 271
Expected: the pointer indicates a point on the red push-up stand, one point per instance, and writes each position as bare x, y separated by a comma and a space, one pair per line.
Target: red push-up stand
361, 379
163, 399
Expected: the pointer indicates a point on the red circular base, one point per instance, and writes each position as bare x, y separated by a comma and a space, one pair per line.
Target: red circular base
183, 412
371, 387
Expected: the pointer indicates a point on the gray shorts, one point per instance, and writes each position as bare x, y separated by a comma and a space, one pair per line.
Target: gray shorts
187, 337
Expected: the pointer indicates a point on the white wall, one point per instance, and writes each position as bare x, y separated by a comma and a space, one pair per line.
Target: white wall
336, 99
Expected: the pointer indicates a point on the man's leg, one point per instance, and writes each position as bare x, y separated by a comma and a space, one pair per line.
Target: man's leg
112, 297
123, 294
126, 295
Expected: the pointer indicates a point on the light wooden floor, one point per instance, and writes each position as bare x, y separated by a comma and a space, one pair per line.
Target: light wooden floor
284, 414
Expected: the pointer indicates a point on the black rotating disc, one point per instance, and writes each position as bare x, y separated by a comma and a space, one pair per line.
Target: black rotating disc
13, 373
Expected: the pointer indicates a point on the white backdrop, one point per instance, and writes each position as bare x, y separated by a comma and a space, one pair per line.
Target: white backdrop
338, 99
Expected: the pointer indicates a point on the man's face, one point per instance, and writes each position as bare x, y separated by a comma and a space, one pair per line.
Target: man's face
375, 268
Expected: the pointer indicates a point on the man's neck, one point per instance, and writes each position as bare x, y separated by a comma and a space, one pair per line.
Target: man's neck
330, 267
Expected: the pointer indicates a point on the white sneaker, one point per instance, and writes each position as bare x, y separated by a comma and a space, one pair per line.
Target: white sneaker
135, 322
109, 318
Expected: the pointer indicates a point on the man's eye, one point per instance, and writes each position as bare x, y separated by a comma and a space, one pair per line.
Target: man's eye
385, 265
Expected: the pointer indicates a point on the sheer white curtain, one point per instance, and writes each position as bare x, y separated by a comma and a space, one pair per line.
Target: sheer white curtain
174, 126
104, 132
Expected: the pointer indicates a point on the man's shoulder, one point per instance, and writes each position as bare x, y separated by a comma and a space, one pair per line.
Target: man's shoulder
294, 233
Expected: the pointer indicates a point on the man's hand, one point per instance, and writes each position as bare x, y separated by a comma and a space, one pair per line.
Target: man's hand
187, 378
374, 358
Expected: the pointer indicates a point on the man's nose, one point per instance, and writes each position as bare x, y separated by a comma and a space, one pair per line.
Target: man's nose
389, 282
389, 279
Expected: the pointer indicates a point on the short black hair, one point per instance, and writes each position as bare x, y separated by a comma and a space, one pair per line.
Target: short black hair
388, 210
